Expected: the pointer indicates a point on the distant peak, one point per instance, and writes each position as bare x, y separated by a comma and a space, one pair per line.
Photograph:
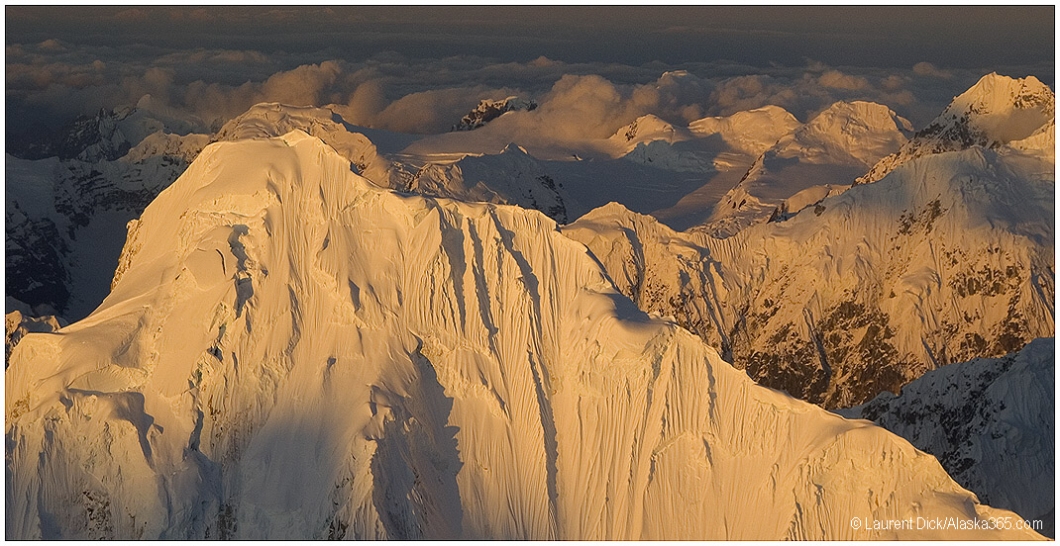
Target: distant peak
995, 93
997, 111
513, 148
489, 110
644, 128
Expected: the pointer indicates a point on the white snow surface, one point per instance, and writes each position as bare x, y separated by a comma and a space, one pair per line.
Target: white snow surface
751, 132
160, 143
293, 352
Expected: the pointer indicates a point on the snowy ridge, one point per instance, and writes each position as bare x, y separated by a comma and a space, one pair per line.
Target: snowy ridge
509, 177
294, 352
270, 120
161, 144
21, 319
990, 423
995, 112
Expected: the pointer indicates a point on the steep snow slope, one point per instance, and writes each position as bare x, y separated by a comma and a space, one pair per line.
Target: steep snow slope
948, 258
295, 353
996, 112
989, 422
822, 157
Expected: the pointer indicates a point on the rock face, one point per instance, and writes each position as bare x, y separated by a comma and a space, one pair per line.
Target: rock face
990, 423
293, 352
489, 110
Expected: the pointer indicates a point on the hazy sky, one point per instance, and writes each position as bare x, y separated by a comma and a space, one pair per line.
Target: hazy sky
211, 62
957, 37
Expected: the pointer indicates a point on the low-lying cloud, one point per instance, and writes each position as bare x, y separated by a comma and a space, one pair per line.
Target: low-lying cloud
52, 81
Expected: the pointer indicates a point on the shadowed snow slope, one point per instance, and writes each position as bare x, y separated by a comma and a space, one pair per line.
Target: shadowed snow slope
292, 352
989, 422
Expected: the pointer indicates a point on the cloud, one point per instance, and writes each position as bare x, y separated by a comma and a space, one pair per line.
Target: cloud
839, 80
430, 111
51, 44
925, 68
56, 80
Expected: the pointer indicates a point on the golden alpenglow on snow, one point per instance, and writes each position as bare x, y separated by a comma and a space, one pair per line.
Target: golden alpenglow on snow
489, 273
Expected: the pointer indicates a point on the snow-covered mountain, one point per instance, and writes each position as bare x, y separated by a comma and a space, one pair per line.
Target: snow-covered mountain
996, 112
508, 177
946, 259
644, 130
511, 177
66, 217
818, 159
293, 352
990, 424
751, 132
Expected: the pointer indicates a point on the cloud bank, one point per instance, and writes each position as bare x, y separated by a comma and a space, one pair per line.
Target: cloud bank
399, 77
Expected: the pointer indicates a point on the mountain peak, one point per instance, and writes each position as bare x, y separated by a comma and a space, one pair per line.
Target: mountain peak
847, 132
1003, 109
489, 109
996, 111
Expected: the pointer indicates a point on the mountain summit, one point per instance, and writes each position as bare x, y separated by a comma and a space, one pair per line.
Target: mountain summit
997, 111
